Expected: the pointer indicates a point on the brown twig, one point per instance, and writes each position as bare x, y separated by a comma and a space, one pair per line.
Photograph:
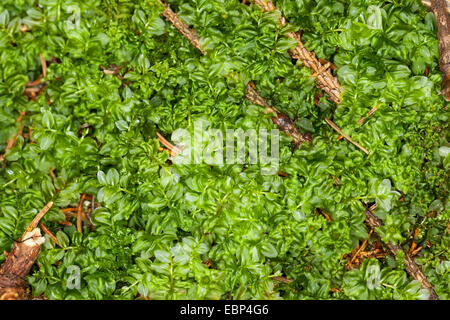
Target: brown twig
182, 27
412, 267
281, 120
79, 213
371, 112
38, 218
173, 150
324, 79
13, 272
338, 130
427, 3
51, 235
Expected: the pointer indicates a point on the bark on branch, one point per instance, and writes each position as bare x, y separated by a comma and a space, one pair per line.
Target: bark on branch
411, 266
439, 8
427, 3
13, 272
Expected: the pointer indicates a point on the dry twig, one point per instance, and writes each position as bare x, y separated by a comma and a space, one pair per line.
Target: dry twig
412, 267
324, 79
338, 130
281, 120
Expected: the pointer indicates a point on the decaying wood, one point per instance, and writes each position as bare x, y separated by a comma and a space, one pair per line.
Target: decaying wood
324, 79
13, 285
427, 3
412, 267
281, 120
439, 8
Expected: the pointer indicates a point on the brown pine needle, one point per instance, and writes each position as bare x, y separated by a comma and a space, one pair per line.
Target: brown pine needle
415, 252
338, 130
371, 112
79, 213
34, 83
38, 218
173, 151
52, 236
44, 65
361, 248
65, 223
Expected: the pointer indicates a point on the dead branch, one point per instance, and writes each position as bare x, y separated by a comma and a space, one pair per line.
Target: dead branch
324, 79
281, 120
440, 10
412, 267
182, 27
13, 285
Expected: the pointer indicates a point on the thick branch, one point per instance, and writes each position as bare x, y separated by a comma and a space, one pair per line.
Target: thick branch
440, 8
427, 3
19, 261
